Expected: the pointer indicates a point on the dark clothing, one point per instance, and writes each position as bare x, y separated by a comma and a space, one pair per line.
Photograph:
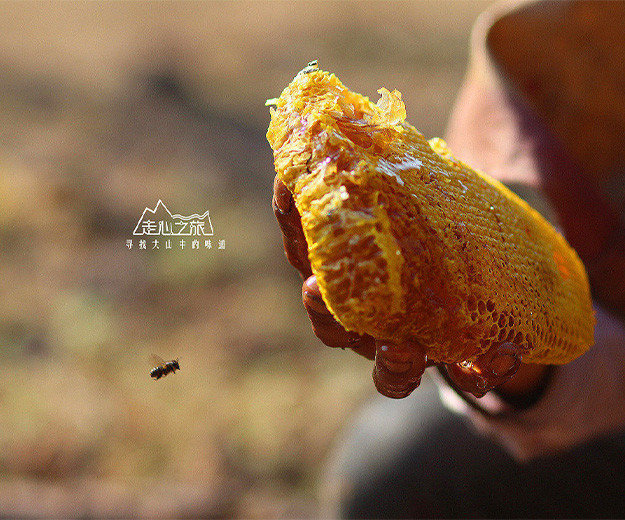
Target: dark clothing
416, 459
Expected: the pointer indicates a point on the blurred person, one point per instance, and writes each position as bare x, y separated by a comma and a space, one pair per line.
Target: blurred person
543, 110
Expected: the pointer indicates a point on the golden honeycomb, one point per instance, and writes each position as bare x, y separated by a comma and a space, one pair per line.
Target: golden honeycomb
410, 244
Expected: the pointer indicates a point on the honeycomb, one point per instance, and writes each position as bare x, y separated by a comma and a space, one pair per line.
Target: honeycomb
410, 244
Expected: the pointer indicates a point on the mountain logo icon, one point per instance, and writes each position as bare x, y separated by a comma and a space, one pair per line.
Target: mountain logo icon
160, 222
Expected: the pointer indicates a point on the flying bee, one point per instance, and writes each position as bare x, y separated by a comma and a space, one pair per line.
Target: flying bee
162, 367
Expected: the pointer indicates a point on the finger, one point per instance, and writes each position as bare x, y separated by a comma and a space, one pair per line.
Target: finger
489, 370
365, 346
290, 223
326, 328
311, 296
398, 368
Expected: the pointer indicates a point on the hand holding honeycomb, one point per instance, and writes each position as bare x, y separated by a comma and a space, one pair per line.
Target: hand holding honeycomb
405, 244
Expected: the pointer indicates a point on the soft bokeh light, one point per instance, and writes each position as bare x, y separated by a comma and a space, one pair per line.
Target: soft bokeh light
105, 108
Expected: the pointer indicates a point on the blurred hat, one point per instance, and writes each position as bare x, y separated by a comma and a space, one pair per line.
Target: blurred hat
543, 105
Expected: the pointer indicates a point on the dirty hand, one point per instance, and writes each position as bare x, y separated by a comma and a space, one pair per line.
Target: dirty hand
398, 368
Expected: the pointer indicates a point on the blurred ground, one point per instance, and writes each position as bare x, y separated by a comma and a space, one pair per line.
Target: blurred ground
106, 108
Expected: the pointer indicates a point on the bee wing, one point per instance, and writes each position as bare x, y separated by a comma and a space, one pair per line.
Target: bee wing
156, 360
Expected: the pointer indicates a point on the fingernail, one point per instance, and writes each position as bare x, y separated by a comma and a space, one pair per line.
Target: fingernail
283, 199
503, 364
314, 302
312, 296
311, 284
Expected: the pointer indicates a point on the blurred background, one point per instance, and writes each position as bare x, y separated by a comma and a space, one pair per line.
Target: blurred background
105, 108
